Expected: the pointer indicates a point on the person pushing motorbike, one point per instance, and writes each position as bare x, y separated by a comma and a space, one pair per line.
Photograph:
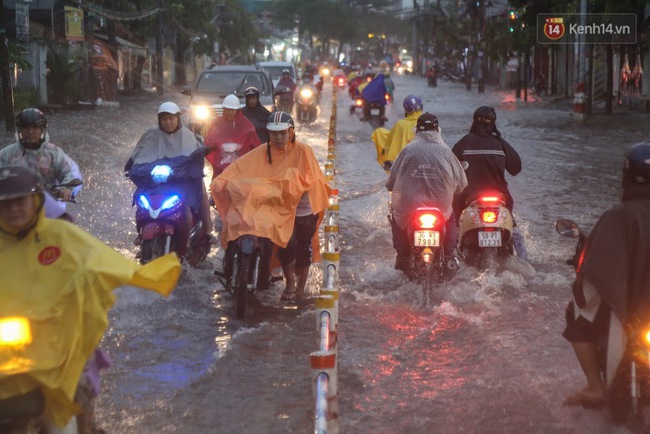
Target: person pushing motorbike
425, 172
612, 286
288, 169
486, 156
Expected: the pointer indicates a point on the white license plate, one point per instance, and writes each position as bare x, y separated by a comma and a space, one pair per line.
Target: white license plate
374, 112
489, 239
426, 239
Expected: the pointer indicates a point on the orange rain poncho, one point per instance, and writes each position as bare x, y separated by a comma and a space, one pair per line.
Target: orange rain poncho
260, 198
62, 279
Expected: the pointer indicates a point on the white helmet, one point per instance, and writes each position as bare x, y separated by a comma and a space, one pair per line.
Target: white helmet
231, 102
169, 107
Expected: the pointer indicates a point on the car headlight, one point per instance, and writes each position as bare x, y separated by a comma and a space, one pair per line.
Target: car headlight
202, 112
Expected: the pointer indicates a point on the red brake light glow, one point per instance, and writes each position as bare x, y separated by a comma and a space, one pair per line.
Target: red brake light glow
358, 102
427, 221
491, 199
489, 216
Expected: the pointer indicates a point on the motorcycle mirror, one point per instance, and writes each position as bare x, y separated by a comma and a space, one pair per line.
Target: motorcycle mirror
567, 228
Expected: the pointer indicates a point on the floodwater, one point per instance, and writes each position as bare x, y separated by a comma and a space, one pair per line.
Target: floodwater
482, 353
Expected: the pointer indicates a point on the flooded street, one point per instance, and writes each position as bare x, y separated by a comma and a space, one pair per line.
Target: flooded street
482, 353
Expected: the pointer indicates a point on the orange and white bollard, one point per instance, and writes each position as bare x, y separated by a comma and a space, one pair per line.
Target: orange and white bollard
323, 365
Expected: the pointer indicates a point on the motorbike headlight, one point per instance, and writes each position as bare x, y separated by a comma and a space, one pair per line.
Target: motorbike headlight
306, 93
143, 202
171, 202
202, 113
161, 173
15, 331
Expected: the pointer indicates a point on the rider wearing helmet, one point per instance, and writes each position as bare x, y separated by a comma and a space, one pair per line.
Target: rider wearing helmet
290, 221
166, 140
390, 143
60, 278
425, 172
612, 286
256, 113
34, 150
287, 81
232, 135
486, 156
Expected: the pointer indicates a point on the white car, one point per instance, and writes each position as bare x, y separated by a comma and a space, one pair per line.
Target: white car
275, 70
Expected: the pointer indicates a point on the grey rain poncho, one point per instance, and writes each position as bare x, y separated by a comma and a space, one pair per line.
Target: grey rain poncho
425, 173
156, 144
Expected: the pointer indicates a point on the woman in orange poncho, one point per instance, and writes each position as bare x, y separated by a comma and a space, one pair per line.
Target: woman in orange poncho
278, 192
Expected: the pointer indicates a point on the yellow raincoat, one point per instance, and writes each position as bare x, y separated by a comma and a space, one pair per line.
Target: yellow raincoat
389, 143
260, 198
62, 279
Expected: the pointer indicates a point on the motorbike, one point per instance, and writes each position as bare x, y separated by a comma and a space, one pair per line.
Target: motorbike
246, 269
374, 112
283, 97
306, 104
357, 103
427, 260
22, 413
339, 81
164, 221
485, 229
624, 353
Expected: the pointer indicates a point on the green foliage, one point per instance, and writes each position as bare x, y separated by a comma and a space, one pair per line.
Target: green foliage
63, 76
24, 98
15, 56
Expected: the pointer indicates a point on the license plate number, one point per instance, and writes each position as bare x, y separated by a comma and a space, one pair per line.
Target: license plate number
489, 239
374, 112
426, 239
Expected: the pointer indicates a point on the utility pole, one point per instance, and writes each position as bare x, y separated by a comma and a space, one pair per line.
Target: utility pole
159, 53
481, 47
416, 54
7, 90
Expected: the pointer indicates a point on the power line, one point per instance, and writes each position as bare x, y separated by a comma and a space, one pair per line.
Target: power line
118, 15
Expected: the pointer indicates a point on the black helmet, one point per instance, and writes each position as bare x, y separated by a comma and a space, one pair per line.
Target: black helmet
31, 116
485, 115
636, 167
18, 181
427, 122
279, 121
251, 91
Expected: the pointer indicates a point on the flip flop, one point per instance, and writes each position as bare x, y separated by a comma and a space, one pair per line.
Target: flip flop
585, 401
288, 296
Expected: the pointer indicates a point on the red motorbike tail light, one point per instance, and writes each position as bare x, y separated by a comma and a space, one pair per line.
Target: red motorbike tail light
428, 221
489, 216
489, 199
358, 102
387, 97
